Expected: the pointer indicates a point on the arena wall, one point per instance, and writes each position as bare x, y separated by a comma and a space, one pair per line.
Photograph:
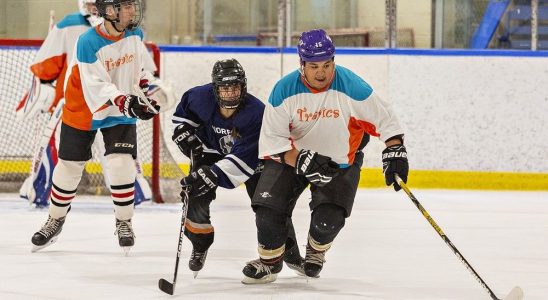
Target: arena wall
470, 117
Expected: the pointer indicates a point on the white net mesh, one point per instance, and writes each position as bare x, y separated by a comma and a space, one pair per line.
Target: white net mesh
20, 138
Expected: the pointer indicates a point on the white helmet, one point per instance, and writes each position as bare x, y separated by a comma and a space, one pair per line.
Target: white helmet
91, 16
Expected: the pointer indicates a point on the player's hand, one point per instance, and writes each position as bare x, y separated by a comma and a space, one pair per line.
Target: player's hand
199, 182
394, 161
318, 169
187, 141
134, 107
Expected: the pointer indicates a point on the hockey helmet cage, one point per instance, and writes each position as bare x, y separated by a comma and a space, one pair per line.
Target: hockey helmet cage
229, 72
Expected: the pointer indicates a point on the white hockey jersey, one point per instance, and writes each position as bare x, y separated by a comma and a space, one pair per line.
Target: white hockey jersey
103, 68
330, 122
56, 52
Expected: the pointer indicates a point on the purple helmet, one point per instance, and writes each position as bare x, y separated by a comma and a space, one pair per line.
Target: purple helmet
315, 45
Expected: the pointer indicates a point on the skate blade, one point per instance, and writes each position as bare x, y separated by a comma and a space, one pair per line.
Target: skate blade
195, 274
515, 294
298, 271
36, 248
310, 278
126, 250
265, 279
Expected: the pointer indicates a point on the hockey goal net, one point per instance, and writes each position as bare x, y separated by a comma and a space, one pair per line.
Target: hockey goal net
20, 138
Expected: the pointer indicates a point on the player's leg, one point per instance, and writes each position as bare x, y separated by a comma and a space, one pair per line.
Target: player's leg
74, 151
120, 150
330, 206
198, 227
271, 203
292, 255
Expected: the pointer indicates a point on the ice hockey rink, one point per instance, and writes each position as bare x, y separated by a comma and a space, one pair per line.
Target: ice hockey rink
387, 250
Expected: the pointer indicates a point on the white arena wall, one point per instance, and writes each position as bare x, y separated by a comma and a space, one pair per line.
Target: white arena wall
475, 111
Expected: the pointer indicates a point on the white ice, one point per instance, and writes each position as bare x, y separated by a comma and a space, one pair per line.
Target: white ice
387, 250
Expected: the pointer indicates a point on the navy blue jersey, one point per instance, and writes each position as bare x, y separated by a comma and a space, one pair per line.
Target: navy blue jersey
236, 138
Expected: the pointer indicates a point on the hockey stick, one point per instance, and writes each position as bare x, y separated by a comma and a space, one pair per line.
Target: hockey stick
144, 99
49, 131
164, 285
515, 294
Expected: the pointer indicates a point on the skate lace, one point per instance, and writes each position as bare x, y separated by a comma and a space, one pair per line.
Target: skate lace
259, 266
50, 227
314, 256
124, 229
198, 255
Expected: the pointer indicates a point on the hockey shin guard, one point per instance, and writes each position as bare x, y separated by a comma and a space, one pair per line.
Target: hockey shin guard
327, 220
66, 177
122, 184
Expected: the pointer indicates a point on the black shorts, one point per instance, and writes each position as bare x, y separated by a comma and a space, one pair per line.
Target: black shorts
279, 188
75, 144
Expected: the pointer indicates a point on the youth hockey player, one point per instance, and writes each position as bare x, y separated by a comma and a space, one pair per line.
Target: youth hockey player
219, 123
313, 126
50, 66
109, 61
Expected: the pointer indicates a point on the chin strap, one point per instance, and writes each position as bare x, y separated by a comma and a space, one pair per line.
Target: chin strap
113, 23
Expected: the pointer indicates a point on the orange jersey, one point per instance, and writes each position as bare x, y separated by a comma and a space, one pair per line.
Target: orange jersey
57, 50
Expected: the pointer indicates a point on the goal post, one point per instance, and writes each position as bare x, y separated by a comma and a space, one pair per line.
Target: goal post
20, 138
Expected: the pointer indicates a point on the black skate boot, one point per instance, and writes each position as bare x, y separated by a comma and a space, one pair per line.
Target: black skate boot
313, 262
197, 261
261, 271
294, 261
126, 237
48, 234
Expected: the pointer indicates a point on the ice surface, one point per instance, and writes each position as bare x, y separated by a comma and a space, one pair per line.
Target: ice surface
387, 250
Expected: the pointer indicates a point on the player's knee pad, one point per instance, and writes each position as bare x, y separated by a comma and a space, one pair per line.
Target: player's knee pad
67, 174
271, 227
327, 220
121, 168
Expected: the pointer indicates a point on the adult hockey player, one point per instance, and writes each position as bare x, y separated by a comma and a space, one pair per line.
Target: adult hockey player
50, 66
219, 123
109, 61
313, 129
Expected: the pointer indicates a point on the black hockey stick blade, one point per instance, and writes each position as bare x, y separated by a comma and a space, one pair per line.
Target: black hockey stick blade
165, 286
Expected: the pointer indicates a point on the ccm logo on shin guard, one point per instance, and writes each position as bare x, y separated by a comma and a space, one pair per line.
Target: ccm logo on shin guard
123, 145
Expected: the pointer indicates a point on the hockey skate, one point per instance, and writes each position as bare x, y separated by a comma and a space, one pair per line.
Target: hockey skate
48, 234
197, 261
257, 272
313, 262
126, 237
294, 261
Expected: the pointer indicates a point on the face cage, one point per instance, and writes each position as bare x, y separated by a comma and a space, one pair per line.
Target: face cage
233, 103
136, 21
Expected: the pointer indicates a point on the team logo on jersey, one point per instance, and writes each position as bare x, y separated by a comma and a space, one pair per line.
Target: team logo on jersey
226, 142
111, 63
306, 116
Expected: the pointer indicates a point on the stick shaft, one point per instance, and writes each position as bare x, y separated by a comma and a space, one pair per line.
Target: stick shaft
445, 237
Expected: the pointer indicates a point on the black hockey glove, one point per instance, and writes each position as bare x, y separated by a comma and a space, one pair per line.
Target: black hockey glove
199, 182
134, 107
317, 168
187, 141
394, 161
